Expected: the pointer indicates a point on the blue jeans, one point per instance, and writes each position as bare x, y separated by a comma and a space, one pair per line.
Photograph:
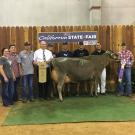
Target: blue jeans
125, 86
27, 80
15, 95
7, 92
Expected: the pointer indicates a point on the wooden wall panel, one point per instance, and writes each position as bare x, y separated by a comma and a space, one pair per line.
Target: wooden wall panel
22, 38
115, 36
8, 35
104, 37
108, 34
26, 34
17, 34
4, 37
134, 35
1, 45
36, 46
124, 33
13, 35
100, 35
133, 50
110, 37
119, 38
34, 39
131, 36
30, 34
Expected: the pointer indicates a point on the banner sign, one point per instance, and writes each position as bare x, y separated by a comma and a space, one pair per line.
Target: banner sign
55, 37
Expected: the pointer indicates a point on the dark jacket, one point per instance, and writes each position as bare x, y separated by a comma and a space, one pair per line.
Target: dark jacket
80, 53
64, 54
98, 53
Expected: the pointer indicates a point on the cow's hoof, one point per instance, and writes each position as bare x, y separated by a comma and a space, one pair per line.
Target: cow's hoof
61, 100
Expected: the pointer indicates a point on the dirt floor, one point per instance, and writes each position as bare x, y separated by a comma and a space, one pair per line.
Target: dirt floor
87, 128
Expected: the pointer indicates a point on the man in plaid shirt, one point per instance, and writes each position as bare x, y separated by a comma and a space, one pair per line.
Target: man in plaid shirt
126, 62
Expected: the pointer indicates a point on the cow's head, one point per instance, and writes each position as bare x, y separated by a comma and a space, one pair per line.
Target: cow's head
112, 55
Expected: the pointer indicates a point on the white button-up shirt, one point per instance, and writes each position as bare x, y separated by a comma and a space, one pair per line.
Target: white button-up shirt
38, 55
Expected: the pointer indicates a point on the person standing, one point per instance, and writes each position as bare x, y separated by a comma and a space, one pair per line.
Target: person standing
99, 51
7, 78
126, 61
50, 47
65, 51
13, 57
43, 55
26, 68
81, 51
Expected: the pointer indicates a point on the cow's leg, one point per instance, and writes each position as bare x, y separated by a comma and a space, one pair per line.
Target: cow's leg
96, 92
91, 84
85, 86
54, 89
66, 89
97, 81
59, 87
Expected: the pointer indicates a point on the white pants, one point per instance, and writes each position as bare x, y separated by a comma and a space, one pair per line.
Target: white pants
102, 88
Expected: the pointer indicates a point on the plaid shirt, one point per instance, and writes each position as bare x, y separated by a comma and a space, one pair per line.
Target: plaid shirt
15, 66
127, 57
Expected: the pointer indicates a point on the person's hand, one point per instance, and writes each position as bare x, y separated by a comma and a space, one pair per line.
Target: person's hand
119, 80
14, 78
35, 63
21, 72
122, 66
5, 79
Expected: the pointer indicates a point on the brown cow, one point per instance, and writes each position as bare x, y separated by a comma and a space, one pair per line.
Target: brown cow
67, 70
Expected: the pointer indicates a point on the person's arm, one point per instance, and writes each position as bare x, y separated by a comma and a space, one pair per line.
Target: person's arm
20, 66
20, 69
132, 58
3, 73
35, 59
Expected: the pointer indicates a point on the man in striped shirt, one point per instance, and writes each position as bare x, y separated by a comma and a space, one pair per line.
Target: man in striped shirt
126, 62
